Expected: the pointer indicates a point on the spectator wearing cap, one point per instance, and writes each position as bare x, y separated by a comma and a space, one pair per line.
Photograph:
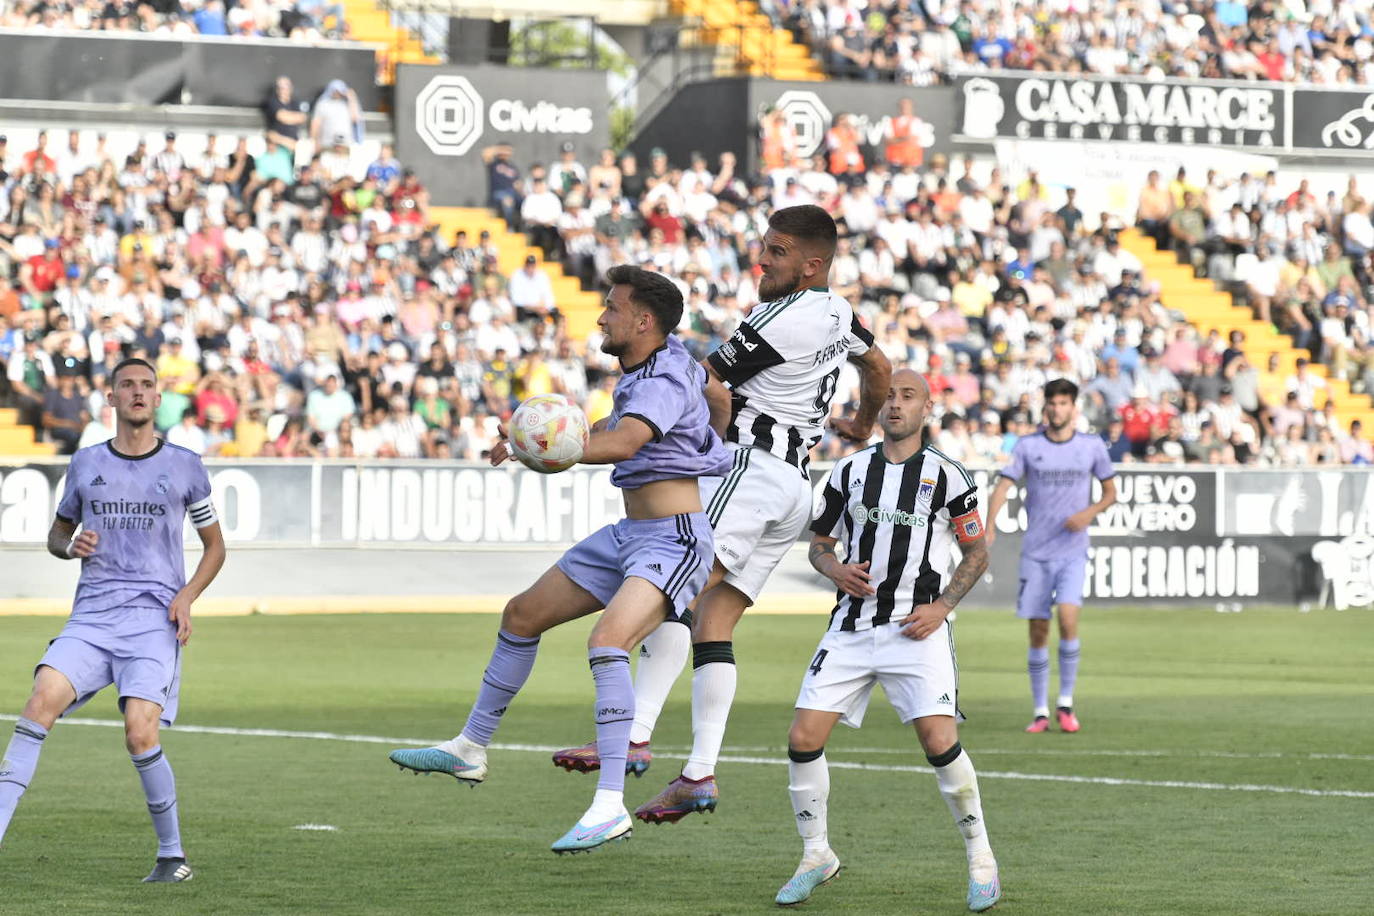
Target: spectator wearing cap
1120, 349
169, 161
41, 273
566, 172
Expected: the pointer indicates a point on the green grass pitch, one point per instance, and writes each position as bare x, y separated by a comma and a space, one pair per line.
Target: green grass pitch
1243, 704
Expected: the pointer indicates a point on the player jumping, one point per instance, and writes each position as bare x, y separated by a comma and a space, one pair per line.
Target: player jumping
641, 570
132, 612
782, 366
1058, 465
899, 509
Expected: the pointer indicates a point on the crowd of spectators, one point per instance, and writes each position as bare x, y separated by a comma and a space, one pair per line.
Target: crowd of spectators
299, 20
303, 304
988, 288
1326, 42
1303, 262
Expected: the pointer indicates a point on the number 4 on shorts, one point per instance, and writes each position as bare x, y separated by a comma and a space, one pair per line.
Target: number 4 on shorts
818, 661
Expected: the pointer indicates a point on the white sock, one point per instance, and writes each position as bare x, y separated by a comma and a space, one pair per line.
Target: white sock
462, 746
959, 786
661, 659
713, 691
809, 785
607, 804
1066, 702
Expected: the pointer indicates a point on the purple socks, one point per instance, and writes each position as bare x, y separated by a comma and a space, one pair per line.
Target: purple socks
1038, 665
615, 713
16, 769
511, 663
160, 788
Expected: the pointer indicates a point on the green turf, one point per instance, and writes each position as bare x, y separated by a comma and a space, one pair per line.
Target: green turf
1269, 687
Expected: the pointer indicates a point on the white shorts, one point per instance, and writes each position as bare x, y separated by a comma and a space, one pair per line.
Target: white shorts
919, 676
757, 512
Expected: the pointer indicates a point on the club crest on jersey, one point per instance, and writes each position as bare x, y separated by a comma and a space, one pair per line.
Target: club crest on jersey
163, 484
926, 491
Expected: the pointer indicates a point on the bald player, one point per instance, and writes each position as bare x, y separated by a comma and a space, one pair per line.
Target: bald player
899, 508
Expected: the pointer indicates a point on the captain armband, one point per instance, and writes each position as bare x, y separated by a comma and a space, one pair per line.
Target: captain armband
202, 513
968, 527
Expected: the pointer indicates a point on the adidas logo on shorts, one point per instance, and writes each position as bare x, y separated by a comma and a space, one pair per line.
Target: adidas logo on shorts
944, 698
98, 482
656, 568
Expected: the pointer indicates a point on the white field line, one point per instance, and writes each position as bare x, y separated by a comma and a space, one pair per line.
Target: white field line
773, 761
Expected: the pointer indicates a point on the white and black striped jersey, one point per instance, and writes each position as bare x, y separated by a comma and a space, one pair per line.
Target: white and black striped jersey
901, 518
782, 366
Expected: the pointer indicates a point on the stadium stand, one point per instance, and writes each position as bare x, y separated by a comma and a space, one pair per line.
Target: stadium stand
921, 44
302, 20
328, 309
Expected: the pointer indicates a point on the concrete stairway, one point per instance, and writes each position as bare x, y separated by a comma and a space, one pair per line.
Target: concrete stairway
581, 307
367, 21
1207, 307
747, 42
18, 441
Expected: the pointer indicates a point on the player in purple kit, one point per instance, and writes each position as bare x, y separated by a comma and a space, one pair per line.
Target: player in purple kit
642, 570
132, 612
1058, 466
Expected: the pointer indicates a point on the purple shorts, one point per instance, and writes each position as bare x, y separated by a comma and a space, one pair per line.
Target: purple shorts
674, 553
146, 666
1045, 583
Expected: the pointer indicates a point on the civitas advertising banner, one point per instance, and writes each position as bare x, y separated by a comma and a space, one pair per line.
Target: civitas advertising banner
446, 116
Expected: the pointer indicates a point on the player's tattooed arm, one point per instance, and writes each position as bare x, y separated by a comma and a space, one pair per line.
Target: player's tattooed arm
967, 573
62, 545
821, 553
850, 578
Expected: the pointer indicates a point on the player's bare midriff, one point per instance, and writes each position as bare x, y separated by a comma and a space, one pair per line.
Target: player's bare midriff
663, 498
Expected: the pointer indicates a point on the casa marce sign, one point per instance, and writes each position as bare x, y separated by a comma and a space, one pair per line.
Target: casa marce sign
1247, 115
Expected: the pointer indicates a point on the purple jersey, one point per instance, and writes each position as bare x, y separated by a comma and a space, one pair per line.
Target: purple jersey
1058, 478
138, 507
667, 391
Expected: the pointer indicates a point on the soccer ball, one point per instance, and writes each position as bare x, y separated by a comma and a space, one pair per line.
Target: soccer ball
548, 433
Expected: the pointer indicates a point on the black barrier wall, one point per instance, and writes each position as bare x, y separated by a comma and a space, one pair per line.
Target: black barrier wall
719, 115
445, 116
157, 71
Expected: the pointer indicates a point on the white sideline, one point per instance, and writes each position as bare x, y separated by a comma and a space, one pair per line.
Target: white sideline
775, 761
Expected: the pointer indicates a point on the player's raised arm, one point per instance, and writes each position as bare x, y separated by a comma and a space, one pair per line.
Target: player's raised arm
612, 445
875, 378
